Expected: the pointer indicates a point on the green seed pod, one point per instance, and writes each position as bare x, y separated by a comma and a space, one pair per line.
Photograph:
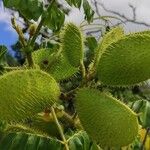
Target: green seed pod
72, 44
25, 93
113, 35
57, 66
107, 120
125, 62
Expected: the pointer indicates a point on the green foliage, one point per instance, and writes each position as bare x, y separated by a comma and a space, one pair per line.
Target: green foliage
30, 141
23, 90
30, 9
125, 62
72, 44
55, 18
76, 3
89, 13
146, 115
3, 50
81, 141
108, 121
91, 44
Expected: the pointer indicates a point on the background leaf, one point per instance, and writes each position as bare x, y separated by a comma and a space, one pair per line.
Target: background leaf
55, 18
30, 9
76, 3
89, 13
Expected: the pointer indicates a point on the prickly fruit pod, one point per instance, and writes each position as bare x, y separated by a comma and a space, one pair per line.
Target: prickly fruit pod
57, 66
24, 93
107, 120
125, 62
72, 44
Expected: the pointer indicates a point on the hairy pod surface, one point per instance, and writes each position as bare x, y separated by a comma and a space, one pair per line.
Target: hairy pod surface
107, 120
113, 35
72, 44
25, 93
126, 61
57, 66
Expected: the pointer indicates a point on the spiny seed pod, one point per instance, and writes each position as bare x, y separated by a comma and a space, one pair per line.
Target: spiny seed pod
25, 93
113, 35
107, 120
32, 29
72, 44
57, 66
125, 62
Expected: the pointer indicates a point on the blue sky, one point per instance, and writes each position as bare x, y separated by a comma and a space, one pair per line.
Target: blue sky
7, 34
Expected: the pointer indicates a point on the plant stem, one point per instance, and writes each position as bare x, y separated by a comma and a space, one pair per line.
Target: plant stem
37, 32
23, 42
83, 71
40, 24
68, 118
19, 31
145, 137
94, 24
12, 68
60, 129
29, 59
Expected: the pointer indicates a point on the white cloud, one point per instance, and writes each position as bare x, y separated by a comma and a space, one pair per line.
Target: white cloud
76, 16
122, 6
5, 17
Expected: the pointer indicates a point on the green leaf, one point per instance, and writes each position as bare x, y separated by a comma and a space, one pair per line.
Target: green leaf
56, 65
126, 61
72, 44
89, 13
33, 141
146, 116
9, 3
76, 3
23, 90
91, 44
55, 18
80, 141
28, 141
3, 51
137, 106
30, 9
